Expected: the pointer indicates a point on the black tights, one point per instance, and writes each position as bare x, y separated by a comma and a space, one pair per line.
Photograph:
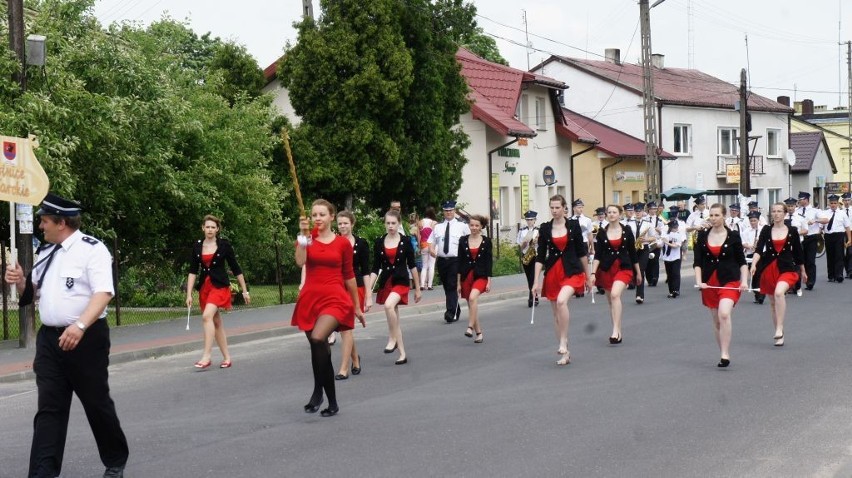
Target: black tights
323, 371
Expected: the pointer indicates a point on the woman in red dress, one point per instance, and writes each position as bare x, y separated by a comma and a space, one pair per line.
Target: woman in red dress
361, 264
474, 278
615, 266
721, 273
779, 254
563, 256
393, 260
329, 299
208, 259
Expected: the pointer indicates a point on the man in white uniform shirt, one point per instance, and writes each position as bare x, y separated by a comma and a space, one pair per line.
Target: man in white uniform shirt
847, 209
527, 242
749, 234
698, 219
73, 281
838, 237
444, 244
734, 222
809, 244
754, 207
585, 224
658, 228
641, 234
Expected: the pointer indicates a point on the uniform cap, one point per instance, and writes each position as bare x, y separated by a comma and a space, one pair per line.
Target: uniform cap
448, 205
833, 197
639, 206
754, 214
651, 204
530, 215
790, 200
734, 207
599, 211
846, 195
578, 202
700, 200
804, 195
628, 207
673, 223
752, 204
54, 205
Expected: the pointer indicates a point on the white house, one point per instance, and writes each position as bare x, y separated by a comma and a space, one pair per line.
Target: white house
520, 150
814, 165
280, 95
696, 121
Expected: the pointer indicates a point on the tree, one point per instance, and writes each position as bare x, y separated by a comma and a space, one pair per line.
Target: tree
457, 20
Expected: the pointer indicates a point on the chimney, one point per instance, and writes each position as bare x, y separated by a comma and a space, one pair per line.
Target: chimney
613, 55
658, 61
807, 107
784, 100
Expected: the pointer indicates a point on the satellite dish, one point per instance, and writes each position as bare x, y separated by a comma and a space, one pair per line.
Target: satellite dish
791, 157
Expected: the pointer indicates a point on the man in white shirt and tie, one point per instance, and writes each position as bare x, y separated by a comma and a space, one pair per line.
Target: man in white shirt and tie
585, 224
837, 238
658, 228
809, 244
444, 244
734, 222
847, 209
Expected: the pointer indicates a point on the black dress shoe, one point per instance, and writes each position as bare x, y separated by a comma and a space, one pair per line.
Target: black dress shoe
723, 363
615, 340
340, 376
390, 351
313, 407
114, 472
839, 281
401, 361
356, 370
809, 287
330, 411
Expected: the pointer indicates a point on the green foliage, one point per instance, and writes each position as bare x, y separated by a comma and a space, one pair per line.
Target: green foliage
151, 286
509, 262
457, 20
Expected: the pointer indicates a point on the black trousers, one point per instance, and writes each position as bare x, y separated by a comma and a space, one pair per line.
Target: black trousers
652, 271
673, 275
643, 264
809, 244
59, 374
834, 248
448, 270
848, 262
529, 271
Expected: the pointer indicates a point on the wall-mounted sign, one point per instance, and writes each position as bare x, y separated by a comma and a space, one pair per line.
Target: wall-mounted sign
525, 192
837, 188
732, 173
509, 152
630, 176
549, 176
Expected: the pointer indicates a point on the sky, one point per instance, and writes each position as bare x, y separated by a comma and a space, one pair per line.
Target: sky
789, 47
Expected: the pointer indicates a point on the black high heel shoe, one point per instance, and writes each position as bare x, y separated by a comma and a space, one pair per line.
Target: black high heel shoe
615, 340
723, 363
390, 351
330, 411
356, 370
312, 407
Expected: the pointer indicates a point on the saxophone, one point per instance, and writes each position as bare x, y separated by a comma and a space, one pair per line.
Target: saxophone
529, 256
644, 235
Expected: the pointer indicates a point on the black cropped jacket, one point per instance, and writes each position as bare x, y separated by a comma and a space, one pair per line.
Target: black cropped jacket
727, 265
403, 262
791, 257
361, 260
218, 275
626, 254
482, 265
548, 253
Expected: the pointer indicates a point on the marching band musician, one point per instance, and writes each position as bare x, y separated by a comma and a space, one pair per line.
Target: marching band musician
629, 215
652, 271
598, 224
643, 229
809, 243
749, 235
585, 224
734, 221
671, 254
698, 219
674, 213
838, 237
753, 206
527, 241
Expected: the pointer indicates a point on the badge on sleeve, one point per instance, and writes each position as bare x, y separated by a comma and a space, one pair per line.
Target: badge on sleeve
69, 282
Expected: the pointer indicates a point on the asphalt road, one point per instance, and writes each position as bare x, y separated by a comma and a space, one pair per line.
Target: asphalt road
655, 406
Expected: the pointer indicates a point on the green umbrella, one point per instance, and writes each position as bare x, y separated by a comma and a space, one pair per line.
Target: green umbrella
681, 193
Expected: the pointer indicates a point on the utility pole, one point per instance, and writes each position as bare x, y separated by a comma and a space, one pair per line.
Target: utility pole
849, 107
652, 161
24, 241
745, 173
308, 8
527, 35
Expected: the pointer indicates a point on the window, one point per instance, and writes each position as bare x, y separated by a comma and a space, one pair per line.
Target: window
540, 122
728, 141
774, 195
616, 197
681, 139
772, 138
522, 110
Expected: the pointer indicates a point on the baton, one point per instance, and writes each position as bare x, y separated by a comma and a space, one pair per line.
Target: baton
532, 315
188, 308
285, 139
729, 288
592, 291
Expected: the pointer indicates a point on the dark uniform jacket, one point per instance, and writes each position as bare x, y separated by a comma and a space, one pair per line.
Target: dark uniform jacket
482, 265
218, 275
361, 260
727, 264
548, 253
791, 257
403, 262
626, 254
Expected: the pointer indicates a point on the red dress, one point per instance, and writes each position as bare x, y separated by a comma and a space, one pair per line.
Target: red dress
605, 279
388, 287
771, 276
218, 296
711, 297
324, 292
469, 283
555, 278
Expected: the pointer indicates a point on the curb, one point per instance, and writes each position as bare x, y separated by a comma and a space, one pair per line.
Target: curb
240, 338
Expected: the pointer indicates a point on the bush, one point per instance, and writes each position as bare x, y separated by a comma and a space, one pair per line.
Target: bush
151, 286
509, 262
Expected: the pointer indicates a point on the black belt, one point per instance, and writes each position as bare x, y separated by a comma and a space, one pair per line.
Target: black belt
56, 328
448, 257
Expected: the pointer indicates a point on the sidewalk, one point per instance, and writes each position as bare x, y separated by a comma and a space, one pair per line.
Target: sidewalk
137, 342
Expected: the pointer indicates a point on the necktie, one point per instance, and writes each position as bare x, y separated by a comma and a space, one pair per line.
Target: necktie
447, 239
701, 214
831, 222
803, 211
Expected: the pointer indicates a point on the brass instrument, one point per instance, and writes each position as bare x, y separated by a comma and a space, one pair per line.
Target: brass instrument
642, 236
529, 255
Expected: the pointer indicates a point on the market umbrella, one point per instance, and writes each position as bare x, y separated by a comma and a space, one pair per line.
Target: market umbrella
681, 193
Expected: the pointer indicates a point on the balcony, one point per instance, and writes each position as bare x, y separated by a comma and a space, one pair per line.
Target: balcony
756, 164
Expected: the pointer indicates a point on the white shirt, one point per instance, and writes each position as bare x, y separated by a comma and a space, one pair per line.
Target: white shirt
841, 221
811, 214
734, 223
798, 222
80, 267
522, 235
698, 219
673, 252
585, 225
749, 237
457, 230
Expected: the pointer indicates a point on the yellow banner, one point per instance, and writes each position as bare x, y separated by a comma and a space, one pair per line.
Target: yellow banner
22, 180
525, 193
732, 173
